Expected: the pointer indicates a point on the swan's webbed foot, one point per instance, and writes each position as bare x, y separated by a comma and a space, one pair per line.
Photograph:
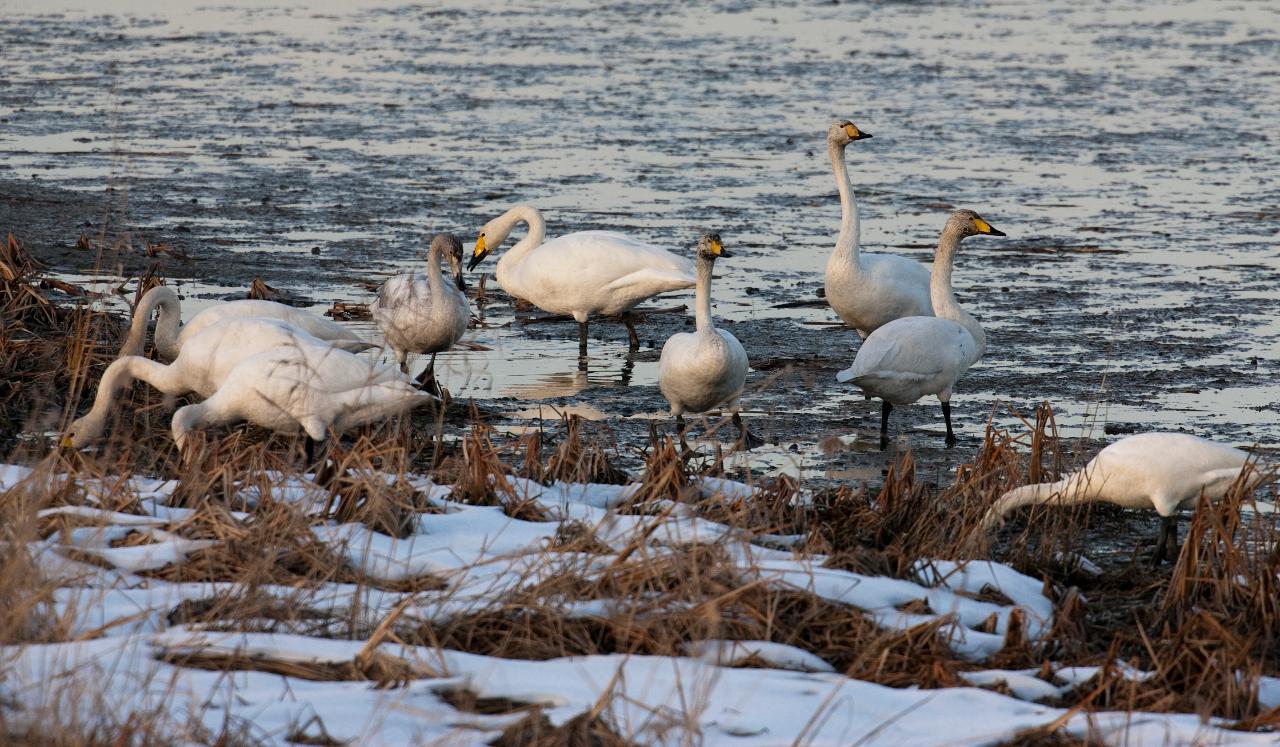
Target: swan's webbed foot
746, 439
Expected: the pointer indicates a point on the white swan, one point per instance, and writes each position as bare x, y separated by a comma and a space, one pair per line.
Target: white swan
867, 290
917, 355
201, 366
170, 338
304, 387
424, 314
583, 273
700, 370
1161, 471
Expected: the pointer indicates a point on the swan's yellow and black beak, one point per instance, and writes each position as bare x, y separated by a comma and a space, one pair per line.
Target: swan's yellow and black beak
459, 281
478, 256
67, 443
718, 249
987, 228
854, 133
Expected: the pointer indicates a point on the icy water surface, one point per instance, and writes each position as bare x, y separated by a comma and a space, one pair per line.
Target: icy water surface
1128, 149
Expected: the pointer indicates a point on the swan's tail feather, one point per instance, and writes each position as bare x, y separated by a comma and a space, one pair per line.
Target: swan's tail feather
846, 375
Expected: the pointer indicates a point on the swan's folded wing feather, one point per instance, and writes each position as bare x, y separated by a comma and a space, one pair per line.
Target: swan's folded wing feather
912, 348
648, 278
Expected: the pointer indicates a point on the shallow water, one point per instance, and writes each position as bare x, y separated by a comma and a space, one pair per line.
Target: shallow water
1128, 150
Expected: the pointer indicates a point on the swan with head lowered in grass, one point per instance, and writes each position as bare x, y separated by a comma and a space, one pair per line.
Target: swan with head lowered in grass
867, 291
171, 335
580, 274
708, 367
1161, 471
914, 356
425, 315
308, 388
203, 363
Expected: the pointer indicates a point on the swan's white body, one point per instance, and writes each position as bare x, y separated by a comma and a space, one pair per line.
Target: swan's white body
583, 273
868, 291
702, 369
1160, 471
170, 337
201, 366
421, 313
305, 387
909, 358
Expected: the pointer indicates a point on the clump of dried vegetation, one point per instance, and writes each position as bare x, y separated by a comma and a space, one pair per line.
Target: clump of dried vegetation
1206, 629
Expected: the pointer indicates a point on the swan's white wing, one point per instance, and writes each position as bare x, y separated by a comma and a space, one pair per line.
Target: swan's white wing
910, 357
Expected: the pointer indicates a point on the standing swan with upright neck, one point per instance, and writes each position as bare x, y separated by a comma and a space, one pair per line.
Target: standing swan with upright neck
425, 314
1161, 471
911, 357
170, 337
203, 363
867, 290
582, 273
702, 369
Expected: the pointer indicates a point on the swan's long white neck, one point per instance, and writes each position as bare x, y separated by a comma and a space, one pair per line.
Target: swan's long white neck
121, 373
166, 325
702, 302
532, 240
941, 294
1073, 489
434, 281
850, 229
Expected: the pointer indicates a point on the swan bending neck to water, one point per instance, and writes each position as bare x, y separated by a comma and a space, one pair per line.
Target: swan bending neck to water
708, 367
201, 366
1161, 471
171, 335
914, 356
867, 291
425, 315
580, 274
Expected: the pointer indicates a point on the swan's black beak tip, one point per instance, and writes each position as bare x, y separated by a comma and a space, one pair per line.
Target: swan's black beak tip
996, 232
460, 282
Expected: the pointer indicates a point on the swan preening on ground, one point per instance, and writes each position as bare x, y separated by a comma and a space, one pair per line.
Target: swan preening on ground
708, 367
303, 387
911, 357
1161, 471
867, 290
424, 315
201, 366
170, 337
581, 274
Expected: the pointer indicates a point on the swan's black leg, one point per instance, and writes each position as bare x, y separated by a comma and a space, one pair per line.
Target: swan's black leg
685, 451
1167, 548
885, 409
633, 338
946, 415
582, 339
427, 379
746, 439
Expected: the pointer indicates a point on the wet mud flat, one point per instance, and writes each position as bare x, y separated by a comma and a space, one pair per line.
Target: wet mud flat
318, 150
